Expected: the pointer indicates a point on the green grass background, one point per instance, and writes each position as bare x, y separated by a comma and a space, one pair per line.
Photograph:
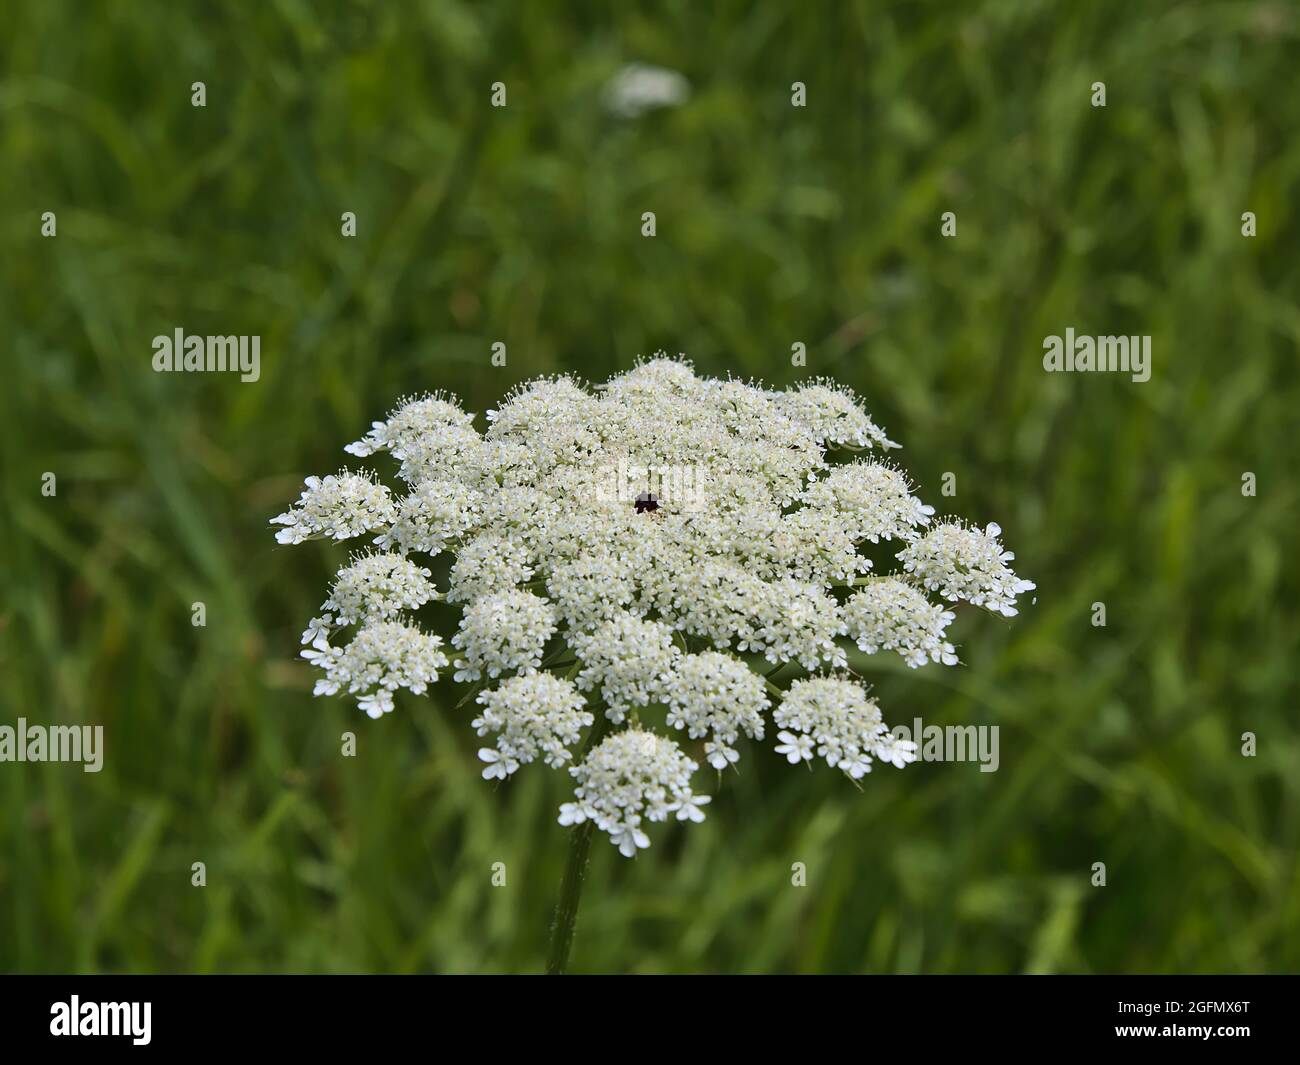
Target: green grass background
1118, 744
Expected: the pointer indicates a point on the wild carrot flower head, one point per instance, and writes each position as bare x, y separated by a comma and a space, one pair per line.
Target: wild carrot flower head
629, 561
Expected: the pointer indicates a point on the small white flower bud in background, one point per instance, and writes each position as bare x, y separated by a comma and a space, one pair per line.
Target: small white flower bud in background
639, 87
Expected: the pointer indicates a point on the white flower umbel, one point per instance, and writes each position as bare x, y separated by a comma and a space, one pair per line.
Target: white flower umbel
591, 590
716, 696
430, 436
814, 546
799, 622
382, 657
503, 633
834, 415
491, 562
657, 539
870, 501
413, 425
962, 562
893, 615
434, 515
720, 603
836, 720
339, 507
378, 586
535, 715
628, 659
631, 777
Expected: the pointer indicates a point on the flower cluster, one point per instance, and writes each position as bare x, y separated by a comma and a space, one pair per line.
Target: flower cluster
835, 719
633, 775
337, 507
628, 659
961, 562
378, 586
381, 658
870, 500
717, 696
892, 615
503, 633
593, 611
533, 714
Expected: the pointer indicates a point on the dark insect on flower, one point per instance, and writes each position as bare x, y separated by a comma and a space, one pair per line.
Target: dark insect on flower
646, 502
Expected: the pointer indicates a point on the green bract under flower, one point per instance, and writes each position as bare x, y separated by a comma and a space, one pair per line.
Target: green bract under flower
637, 551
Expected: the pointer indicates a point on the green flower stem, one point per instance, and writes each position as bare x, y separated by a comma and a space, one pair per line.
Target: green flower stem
575, 869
